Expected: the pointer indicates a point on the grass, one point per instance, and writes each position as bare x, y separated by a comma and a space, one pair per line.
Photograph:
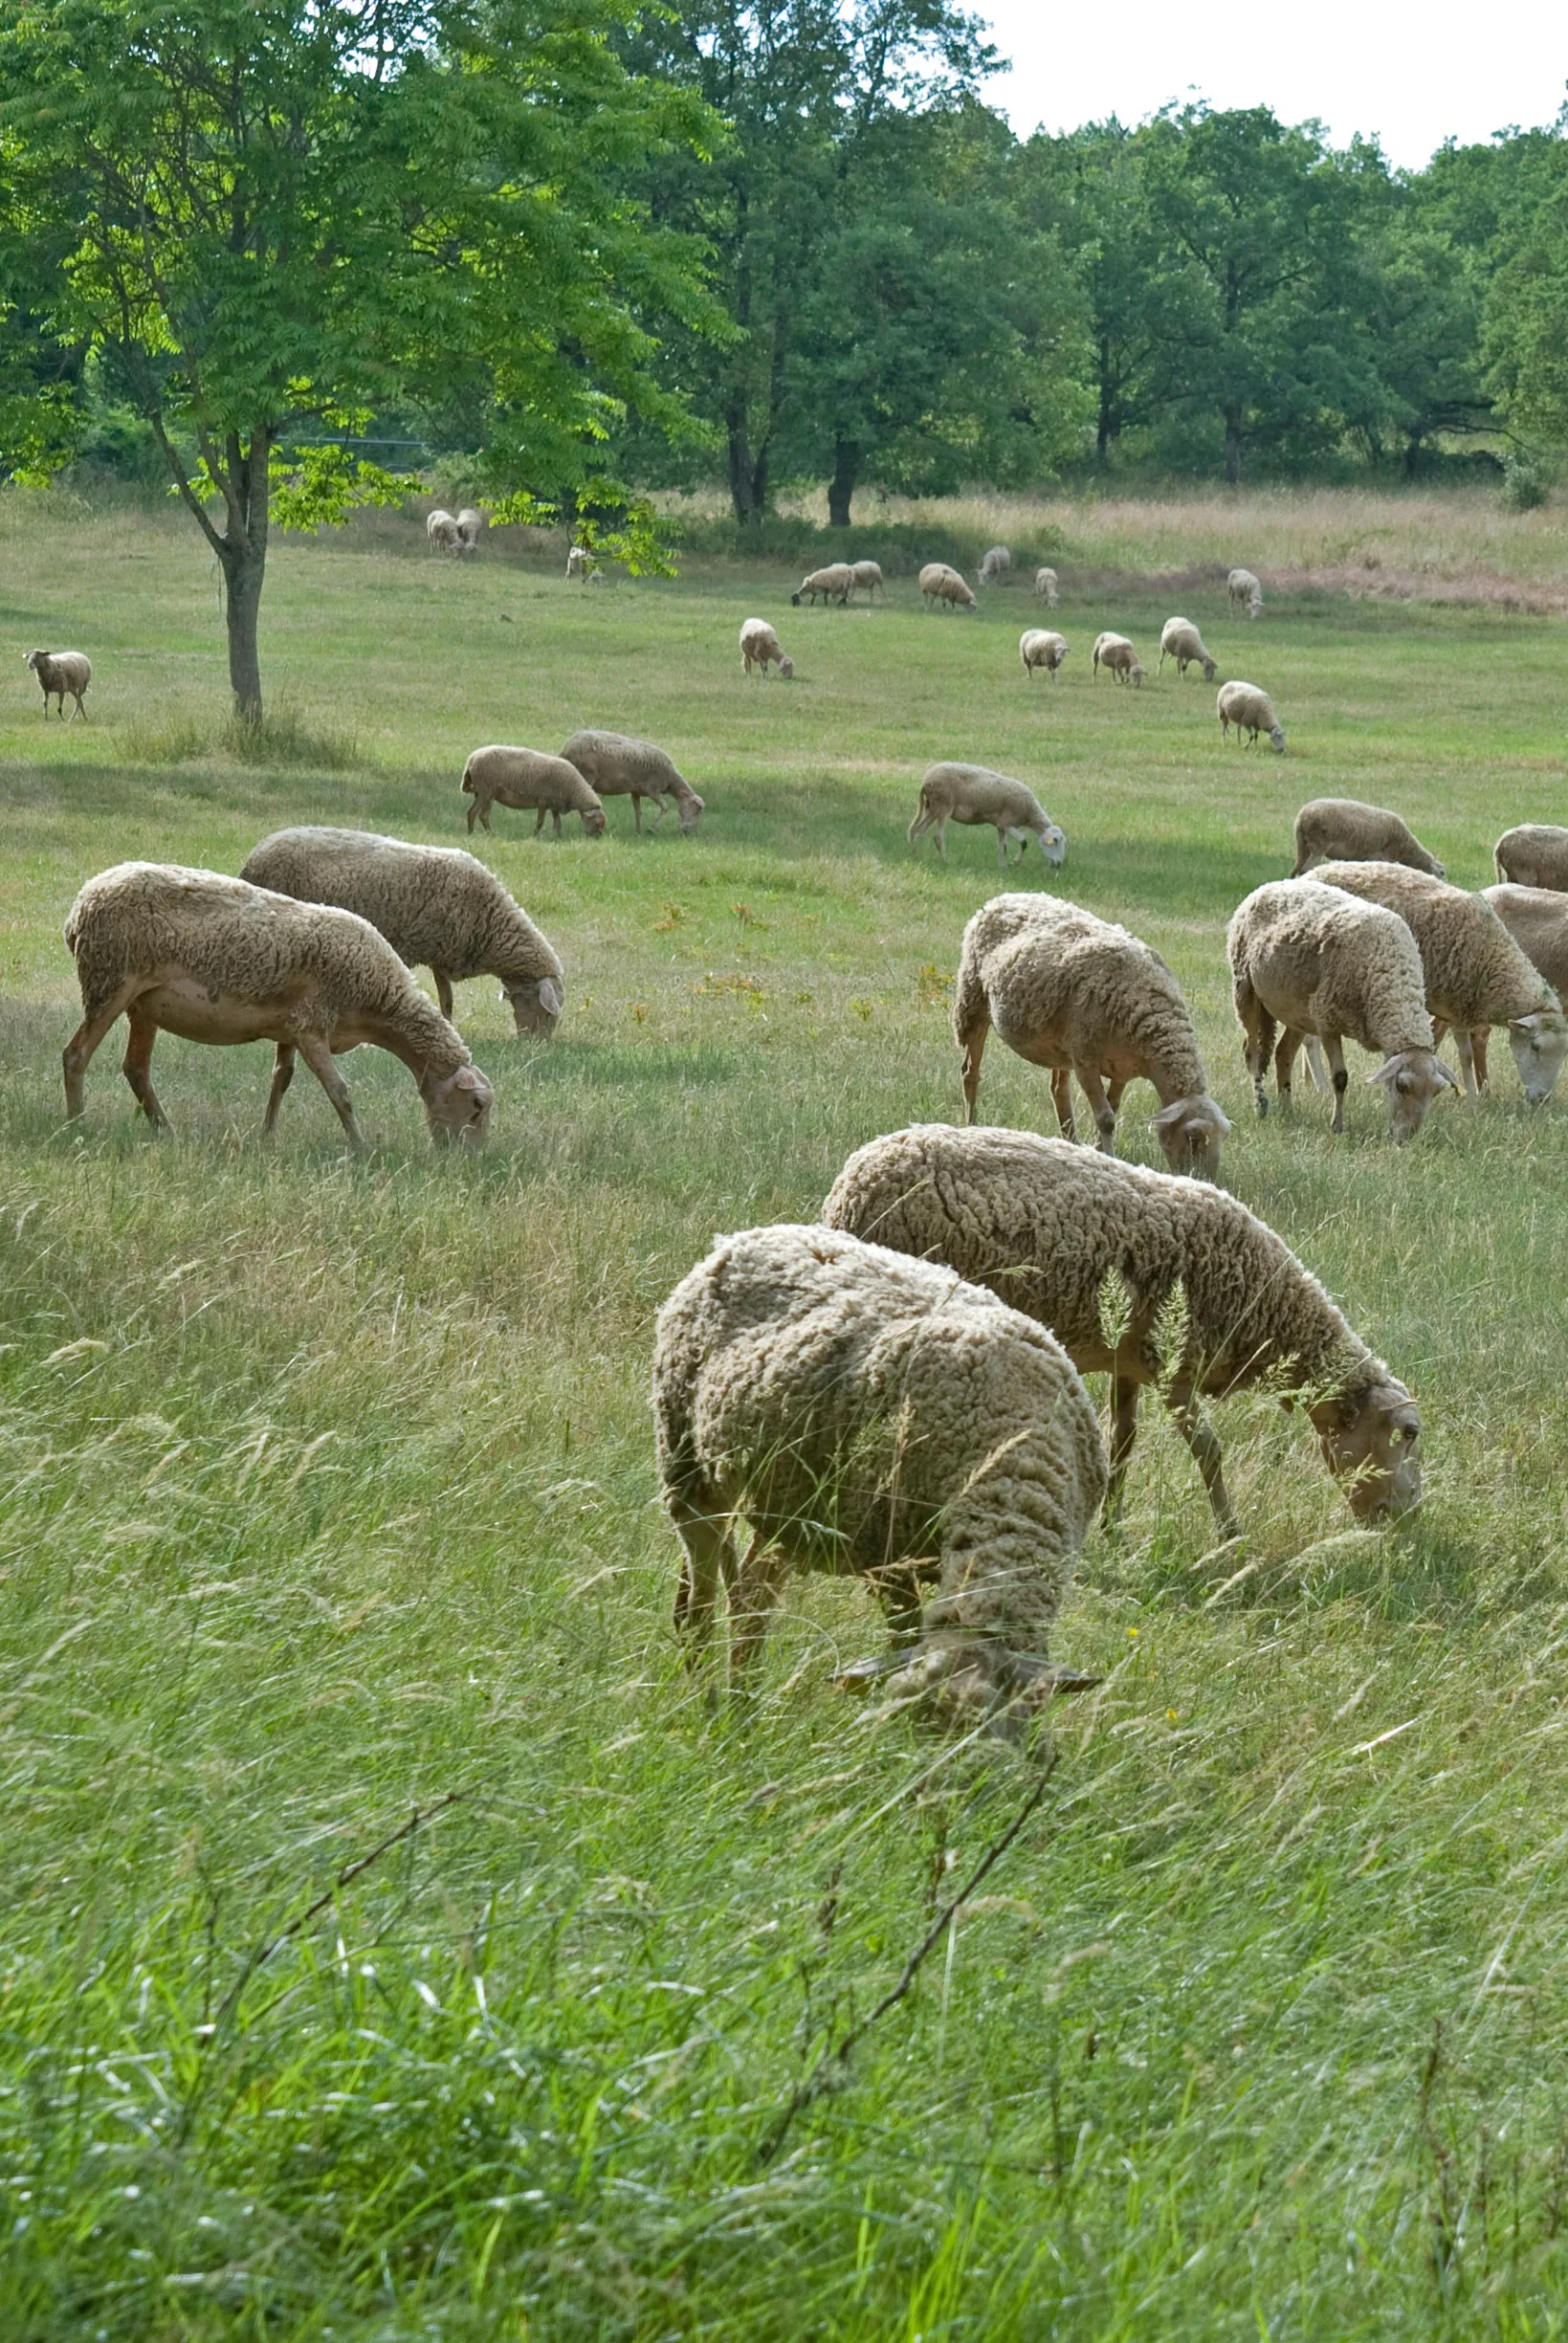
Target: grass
329, 1497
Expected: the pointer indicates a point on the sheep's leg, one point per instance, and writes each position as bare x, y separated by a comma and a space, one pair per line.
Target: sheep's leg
282, 1077
443, 991
939, 835
752, 1602
1003, 834
319, 1058
1283, 1060
555, 816
137, 1067
1204, 1444
1259, 1029
708, 1561
974, 1050
1334, 1049
474, 808
1061, 1096
78, 1050
1316, 1064
1113, 1093
1479, 1038
1100, 1107
539, 824
1124, 1390
1465, 1048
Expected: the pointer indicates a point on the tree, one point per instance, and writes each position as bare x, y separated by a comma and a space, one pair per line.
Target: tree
268, 216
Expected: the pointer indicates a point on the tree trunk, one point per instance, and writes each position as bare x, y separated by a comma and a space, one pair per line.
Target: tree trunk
1105, 431
243, 576
1232, 447
734, 425
841, 487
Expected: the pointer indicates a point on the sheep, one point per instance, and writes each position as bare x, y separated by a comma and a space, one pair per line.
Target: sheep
60, 671
834, 584
437, 907
1535, 855
1216, 1303
580, 565
995, 567
1074, 994
215, 960
1244, 587
1342, 829
1474, 973
1038, 646
1315, 961
874, 1416
869, 574
972, 793
615, 766
1047, 586
442, 531
1251, 712
525, 778
1179, 640
759, 648
940, 585
1115, 653
1537, 918
472, 525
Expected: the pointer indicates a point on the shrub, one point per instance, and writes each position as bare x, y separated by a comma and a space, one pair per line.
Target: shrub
1525, 487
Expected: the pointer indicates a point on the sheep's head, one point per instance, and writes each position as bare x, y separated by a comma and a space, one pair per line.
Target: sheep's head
1420, 860
969, 1684
1539, 1043
691, 811
795, 602
1210, 671
34, 657
535, 1005
1277, 739
1190, 1131
1053, 844
593, 820
1412, 1079
457, 1107
1371, 1440
1136, 673
786, 666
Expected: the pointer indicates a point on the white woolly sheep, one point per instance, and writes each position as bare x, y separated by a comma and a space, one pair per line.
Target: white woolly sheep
834, 584
868, 576
1535, 855
995, 567
615, 766
60, 671
759, 648
1251, 711
1115, 653
1244, 587
472, 525
972, 793
1074, 993
1216, 1303
1179, 640
869, 1415
214, 959
1039, 647
437, 907
581, 566
938, 584
1474, 973
1312, 960
1047, 586
526, 778
1342, 829
442, 531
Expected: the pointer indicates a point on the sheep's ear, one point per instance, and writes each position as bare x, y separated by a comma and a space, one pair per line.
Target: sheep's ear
1168, 1117
1531, 1024
551, 999
1387, 1072
1443, 1075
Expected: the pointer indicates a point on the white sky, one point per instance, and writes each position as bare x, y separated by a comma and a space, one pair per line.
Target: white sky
1414, 72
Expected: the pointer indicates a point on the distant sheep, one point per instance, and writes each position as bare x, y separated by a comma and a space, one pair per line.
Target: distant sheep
1342, 829
834, 584
1243, 590
938, 584
613, 765
1537, 918
972, 793
1047, 586
529, 778
1115, 653
1251, 712
1039, 647
472, 525
442, 531
869, 580
1535, 855
60, 671
1179, 640
759, 648
581, 566
995, 567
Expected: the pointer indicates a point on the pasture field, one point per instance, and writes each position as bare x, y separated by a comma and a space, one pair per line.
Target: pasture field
329, 1497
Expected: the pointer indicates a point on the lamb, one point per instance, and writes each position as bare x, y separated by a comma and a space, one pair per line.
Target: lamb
1047, 586
972, 793
1054, 1230
437, 907
1074, 994
215, 960
834, 584
1245, 589
60, 671
442, 531
1342, 829
868, 575
526, 778
580, 565
995, 567
1535, 855
1179, 640
1039, 647
1537, 918
1115, 653
1475, 974
759, 648
615, 766
874, 1416
1315, 961
472, 525
938, 584
1251, 712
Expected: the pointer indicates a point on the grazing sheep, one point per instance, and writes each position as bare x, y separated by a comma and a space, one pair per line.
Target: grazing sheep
1038, 646
1314, 960
1537, 918
972, 793
995, 567
525, 778
470, 527
436, 906
1342, 829
1535, 855
759, 648
1251, 712
580, 565
442, 531
60, 671
613, 765
1245, 589
1179, 640
940, 585
868, 575
1475, 974
1047, 586
214, 959
1115, 653
874, 1416
834, 584
1217, 1304
1074, 994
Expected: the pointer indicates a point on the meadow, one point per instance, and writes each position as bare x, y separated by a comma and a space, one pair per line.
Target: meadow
396, 1940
